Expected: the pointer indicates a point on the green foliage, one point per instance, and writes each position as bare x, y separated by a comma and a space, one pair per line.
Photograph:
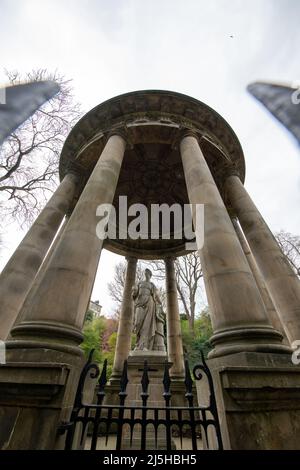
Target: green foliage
95, 334
133, 340
193, 344
89, 316
109, 355
112, 341
92, 337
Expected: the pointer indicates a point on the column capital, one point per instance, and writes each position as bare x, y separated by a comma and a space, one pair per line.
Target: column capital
232, 214
130, 258
121, 132
170, 258
185, 132
230, 169
76, 170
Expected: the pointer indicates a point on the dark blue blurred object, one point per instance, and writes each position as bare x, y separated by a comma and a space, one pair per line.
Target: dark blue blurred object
281, 101
19, 102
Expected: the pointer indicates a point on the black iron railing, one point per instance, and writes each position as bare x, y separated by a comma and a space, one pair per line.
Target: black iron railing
98, 419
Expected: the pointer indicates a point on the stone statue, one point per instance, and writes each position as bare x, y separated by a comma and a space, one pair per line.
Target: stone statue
149, 317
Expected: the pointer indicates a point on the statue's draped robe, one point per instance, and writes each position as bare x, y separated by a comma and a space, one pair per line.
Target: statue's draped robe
145, 316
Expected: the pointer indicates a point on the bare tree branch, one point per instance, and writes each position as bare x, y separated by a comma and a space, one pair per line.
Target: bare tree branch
29, 157
188, 274
116, 286
290, 246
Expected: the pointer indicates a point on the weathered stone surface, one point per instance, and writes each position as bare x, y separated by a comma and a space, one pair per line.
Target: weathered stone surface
37, 391
258, 399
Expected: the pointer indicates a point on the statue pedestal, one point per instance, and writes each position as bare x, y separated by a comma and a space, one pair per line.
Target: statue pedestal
156, 363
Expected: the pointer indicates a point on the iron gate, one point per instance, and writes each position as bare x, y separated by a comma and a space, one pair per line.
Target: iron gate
97, 419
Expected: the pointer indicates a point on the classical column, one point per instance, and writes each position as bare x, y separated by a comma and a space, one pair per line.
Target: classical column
62, 297
282, 283
123, 344
174, 337
44, 361
37, 280
19, 273
271, 311
238, 314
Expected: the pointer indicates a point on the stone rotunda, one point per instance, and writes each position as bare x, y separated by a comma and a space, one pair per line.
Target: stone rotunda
154, 147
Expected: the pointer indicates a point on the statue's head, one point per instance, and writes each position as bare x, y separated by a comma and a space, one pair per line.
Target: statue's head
148, 274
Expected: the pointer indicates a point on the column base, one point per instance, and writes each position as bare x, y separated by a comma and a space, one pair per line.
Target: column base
254, 338
258, 400
46, 330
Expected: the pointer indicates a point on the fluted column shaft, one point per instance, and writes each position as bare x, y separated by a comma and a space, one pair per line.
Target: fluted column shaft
238, 314
174, 336
19, 273
125, 326
282, 283
270, 308
61, 299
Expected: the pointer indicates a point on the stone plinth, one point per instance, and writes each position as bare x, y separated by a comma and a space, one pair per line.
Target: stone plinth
156, 363
258, 399
37, 391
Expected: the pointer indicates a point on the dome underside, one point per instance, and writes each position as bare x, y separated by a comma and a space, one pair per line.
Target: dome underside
151, 171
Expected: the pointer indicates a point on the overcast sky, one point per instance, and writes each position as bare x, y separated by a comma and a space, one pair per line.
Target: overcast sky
210, 50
